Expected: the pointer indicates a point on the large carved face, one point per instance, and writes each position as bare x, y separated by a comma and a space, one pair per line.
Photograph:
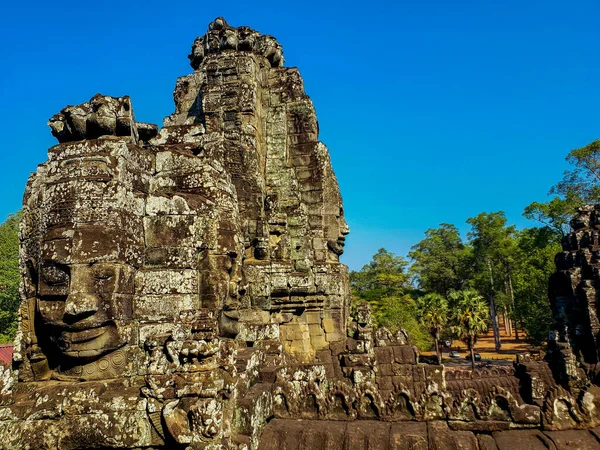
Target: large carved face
335, 226
84, 297
83, 249
336, 230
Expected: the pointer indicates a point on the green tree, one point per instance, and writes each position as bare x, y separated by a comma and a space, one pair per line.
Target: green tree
399, 312
537, 246
583, 181
384, 284
554, 214
9, 277
493, 248
534, 265
469, 318
432, 310
578, 186
441, 261
383, 276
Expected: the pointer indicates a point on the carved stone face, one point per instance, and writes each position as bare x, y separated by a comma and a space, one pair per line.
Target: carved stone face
336, 231
83, 301
83, 249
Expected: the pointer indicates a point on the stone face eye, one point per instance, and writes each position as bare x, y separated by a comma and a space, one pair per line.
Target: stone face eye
103, 273
54, 275
103, 276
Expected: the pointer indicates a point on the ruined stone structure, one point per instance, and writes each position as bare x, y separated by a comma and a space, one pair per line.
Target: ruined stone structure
182, 289
575, 340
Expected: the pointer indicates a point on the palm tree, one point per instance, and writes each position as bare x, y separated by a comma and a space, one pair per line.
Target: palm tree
469, 317
432, 312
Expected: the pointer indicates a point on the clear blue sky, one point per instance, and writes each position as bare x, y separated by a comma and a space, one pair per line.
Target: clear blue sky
433, 111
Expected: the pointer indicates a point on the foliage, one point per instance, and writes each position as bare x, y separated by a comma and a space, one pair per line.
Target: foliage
554, 214
384, 276
400, 312
535, 263
9, 277
432, 311
383, 283
498, 261
580, 185
469, 317
583, 181
441, 261
493, 250
491, 238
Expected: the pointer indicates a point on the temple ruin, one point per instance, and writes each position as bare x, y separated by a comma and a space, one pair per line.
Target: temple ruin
181, 288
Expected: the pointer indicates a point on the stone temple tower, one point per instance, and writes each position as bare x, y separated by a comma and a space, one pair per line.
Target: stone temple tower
241, 109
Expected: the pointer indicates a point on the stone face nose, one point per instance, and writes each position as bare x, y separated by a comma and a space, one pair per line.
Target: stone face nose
79, 306
344, 228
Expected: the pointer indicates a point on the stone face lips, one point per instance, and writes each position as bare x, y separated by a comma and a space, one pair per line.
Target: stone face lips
182, 287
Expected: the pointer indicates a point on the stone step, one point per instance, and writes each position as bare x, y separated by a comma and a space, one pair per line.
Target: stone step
254, 409
244, 355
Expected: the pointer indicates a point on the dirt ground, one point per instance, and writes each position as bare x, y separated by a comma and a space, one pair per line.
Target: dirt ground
485, 347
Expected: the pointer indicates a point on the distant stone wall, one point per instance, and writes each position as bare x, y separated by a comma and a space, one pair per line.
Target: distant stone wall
373, 435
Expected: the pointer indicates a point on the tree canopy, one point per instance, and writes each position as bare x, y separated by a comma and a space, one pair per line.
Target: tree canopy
9, 277
507, 266
441, 261
579, 185
432, 311
383, 276
469, 317
384, 284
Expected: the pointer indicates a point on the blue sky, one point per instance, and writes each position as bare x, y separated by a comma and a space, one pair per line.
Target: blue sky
433, 111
